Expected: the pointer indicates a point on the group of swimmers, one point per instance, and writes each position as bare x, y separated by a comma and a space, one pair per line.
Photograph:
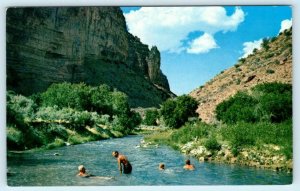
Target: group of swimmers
187, 166
125, 167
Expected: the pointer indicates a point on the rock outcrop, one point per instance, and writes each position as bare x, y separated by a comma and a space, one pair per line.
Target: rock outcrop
81, 44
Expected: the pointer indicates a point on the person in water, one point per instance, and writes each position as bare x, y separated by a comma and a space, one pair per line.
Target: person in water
161, 166
188, 165
123, 163
83, 173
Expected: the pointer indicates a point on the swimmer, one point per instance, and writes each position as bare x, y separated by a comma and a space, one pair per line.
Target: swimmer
161, 166
188, 165
84, 174
123, 163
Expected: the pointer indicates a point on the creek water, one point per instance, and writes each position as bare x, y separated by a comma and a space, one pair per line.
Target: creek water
58, 167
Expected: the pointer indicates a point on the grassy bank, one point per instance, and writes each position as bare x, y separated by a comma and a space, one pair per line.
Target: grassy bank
263, 145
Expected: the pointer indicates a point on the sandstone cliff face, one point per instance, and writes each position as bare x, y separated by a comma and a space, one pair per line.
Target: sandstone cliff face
80, 44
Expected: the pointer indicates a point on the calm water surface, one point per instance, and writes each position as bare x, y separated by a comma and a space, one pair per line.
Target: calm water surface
43, 168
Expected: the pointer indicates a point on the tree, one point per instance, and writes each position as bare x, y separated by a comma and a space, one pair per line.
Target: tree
176, 111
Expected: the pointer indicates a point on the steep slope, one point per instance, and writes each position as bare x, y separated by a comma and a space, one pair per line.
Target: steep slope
273, 62
81, 44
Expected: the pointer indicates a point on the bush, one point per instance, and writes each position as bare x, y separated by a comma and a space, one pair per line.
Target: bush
237, 108
242, 134
270, 102
212, 144
265, 44
191, 131
150, 117
269, 71
275, 102
65, 94
19, 109
176, 112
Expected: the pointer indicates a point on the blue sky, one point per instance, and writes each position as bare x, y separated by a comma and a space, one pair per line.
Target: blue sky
197, 43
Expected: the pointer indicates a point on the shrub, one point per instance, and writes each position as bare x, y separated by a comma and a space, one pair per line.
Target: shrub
242, 60
269, 71
237, 108
150, 117
176, 112
191, 131
276, 101
273, 103
19, 108
66, 95
212, 144
265, 44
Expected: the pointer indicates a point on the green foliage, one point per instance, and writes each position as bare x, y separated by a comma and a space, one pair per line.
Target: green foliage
176, 112
275, 101
67, 112
190, 131
270, 102
247, 134
265, 44
19, 109
212, 144
269, 71
65, 94
150, 117
237, 108
242, 60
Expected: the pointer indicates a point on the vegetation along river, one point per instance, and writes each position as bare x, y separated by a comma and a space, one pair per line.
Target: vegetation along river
58, 167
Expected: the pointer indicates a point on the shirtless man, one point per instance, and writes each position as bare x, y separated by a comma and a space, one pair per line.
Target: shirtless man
188, 165
127, 168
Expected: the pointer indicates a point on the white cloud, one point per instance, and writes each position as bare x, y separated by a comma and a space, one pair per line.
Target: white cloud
203, 44
250, 46
285, 24
168, 27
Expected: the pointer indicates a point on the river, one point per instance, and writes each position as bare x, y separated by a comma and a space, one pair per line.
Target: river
58, 167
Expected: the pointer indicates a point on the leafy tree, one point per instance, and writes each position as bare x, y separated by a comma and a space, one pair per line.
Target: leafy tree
176, 111
237, 108
150, 117
67, 95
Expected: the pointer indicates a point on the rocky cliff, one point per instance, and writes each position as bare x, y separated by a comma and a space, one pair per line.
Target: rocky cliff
81, 44
271, 63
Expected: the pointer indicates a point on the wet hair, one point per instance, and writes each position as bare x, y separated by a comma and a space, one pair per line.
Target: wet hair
162, 166
115, 153
188, 162
81, 168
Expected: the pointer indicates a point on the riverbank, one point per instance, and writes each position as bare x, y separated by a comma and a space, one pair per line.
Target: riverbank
270, 149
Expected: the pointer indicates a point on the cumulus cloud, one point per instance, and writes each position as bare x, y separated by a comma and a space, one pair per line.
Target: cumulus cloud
285, 24
168, 27
202, 44
250, 46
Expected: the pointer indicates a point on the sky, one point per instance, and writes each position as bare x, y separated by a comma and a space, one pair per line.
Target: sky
197, 43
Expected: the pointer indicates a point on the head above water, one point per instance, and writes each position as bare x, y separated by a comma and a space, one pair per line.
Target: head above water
115, 154
161, 166
81, 168
188, 162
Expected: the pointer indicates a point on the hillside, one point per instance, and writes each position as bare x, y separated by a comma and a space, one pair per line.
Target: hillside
273, 62
48, 45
